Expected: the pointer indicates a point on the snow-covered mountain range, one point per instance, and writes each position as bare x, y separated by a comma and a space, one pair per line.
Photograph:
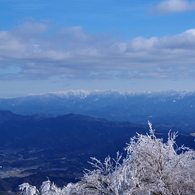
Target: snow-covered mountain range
168, 106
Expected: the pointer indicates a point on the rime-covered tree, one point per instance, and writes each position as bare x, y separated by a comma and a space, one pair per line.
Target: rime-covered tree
151, 167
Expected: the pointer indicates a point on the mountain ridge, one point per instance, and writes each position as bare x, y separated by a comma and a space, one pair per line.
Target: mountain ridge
166, 107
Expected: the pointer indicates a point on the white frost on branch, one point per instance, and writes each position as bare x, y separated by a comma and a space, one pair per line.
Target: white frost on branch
28, 189
150, 167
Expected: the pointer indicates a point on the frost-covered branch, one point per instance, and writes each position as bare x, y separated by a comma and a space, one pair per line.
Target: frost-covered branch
151, 167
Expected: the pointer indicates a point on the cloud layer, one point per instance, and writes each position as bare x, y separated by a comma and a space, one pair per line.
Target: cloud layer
174, 6
34, 51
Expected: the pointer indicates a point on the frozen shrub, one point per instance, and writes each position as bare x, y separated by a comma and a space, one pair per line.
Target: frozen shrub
151, 167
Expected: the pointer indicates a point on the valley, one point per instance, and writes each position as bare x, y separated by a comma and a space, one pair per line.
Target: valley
49, 142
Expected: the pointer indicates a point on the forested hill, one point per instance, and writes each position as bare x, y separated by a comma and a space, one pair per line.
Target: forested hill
66, 130
70, 131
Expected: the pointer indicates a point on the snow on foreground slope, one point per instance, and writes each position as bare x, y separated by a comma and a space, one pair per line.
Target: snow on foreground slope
150, 167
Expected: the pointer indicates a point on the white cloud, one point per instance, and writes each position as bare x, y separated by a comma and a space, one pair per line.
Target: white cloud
174, 6
40, 53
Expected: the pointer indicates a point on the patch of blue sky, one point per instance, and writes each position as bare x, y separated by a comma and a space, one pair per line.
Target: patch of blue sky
99, 44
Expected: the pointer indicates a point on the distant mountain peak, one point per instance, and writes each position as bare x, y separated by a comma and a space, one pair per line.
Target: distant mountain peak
121, 92
110, 104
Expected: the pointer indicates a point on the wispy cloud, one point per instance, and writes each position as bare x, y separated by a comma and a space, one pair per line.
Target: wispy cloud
40, 52
174, 6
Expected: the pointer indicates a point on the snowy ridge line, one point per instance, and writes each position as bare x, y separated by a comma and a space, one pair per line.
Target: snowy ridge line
82, 94
85, 93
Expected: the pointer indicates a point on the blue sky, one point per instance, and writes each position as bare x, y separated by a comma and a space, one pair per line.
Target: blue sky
128, 45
